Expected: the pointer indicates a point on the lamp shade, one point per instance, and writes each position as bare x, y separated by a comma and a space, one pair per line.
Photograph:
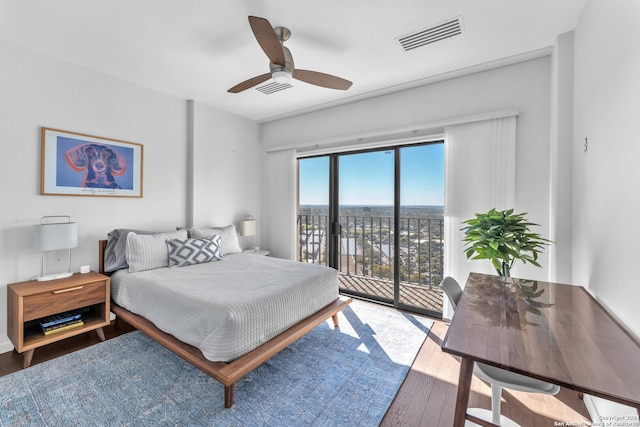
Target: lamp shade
248, 227
52, 237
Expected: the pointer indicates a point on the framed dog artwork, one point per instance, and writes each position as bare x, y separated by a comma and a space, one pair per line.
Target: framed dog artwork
75, 164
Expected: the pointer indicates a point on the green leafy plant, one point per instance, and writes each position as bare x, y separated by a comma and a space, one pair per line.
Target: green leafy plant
502, 237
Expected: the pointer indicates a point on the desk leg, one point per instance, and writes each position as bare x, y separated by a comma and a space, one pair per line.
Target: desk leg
464, 387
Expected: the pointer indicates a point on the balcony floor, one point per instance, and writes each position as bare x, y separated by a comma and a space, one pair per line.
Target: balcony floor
414, 295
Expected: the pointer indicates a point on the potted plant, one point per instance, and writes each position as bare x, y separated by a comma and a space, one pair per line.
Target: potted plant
502, 237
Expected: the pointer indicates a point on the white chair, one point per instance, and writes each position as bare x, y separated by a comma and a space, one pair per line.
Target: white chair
497, 377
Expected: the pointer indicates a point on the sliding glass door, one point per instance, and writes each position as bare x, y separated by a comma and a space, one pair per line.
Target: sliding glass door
366, 189
421, 226
377, 217
313, 210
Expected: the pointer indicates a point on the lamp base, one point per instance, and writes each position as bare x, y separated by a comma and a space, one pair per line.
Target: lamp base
54, 276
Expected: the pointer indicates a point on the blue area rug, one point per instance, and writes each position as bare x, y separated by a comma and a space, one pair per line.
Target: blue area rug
345, 377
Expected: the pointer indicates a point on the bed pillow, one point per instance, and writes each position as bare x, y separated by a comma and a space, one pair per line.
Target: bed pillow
115, 257
229, 238
146, 252
184, 252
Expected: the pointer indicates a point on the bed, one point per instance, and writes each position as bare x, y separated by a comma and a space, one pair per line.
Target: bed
225, 315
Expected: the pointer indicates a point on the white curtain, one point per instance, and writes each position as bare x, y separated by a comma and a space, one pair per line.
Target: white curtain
479, 175
279, 214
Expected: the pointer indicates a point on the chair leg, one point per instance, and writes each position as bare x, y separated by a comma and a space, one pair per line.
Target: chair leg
496, 402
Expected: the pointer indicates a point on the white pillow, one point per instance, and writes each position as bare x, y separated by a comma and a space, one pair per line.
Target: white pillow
146, 252
229, 238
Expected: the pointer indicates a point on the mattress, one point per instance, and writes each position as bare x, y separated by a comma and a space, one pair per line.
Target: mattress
227, 308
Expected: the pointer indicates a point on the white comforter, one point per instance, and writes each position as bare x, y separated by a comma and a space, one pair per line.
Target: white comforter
227, 308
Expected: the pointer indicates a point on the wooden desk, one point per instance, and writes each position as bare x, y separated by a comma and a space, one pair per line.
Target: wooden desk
553, 332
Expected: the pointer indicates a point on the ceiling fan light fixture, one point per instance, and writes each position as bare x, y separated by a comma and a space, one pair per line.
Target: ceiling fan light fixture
281, 68
281, 76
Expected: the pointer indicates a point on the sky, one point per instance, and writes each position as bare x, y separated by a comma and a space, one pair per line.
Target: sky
367, 178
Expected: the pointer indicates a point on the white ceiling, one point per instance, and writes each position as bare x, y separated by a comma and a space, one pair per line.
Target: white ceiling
197, 49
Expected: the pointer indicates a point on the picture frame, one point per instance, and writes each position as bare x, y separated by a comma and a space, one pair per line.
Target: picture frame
77, 164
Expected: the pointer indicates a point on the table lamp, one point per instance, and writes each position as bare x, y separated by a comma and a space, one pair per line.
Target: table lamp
54, 236
247, 228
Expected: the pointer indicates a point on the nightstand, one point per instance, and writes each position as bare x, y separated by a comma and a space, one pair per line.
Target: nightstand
28, 302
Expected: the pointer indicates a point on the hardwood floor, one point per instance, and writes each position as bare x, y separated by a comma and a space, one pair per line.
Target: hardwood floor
427, 396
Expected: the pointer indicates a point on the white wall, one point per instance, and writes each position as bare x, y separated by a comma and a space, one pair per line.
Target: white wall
561, 160
525, 86
226, 168
606, 241
37, 90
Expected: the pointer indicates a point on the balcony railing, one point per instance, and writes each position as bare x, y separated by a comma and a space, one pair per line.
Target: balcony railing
367, 246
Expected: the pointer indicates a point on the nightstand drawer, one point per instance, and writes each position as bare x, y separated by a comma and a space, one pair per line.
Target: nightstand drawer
63, 299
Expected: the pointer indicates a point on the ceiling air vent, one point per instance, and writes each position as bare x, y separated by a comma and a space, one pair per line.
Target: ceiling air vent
444, 30
273, 87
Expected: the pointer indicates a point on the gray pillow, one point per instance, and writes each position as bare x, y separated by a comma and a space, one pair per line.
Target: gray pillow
115, 252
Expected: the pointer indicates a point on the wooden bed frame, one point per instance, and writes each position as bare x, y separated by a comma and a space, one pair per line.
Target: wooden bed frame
226, 373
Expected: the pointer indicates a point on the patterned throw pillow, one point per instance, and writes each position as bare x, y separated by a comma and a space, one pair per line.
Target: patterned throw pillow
184, 252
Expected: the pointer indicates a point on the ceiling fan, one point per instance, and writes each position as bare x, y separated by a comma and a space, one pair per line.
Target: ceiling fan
281, 62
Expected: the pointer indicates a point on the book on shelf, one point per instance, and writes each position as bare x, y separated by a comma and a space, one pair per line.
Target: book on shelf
62, 327
58, 319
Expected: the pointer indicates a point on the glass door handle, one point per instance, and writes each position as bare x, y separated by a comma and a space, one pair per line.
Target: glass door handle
336, 229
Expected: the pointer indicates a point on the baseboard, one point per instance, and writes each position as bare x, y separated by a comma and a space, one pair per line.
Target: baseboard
5, 345
606, 411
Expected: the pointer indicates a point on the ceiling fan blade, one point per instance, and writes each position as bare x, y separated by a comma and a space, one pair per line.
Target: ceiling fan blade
321, 79
247, 84
267, 39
